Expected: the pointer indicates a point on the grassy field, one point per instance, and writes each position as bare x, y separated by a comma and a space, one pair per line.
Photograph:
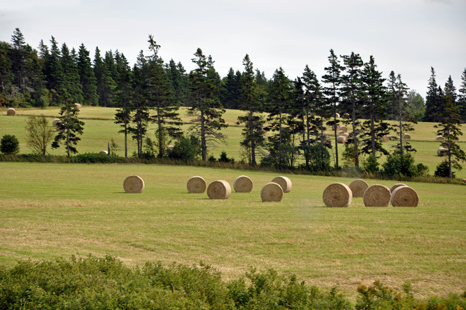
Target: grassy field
50, 210
100, 128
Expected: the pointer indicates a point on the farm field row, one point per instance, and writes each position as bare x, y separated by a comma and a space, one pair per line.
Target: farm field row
50, 210
100, 128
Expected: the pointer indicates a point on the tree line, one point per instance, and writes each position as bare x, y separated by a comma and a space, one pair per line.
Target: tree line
352, 93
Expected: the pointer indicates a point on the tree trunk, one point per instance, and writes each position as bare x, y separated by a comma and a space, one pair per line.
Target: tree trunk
372, 135
203, 142
252, 137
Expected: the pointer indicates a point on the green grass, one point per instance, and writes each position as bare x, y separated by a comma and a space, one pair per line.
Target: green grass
50, 210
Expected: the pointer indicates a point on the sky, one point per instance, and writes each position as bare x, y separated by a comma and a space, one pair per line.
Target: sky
405, 36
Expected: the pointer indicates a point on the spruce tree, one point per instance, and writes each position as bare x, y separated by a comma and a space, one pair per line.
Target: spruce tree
205, 103
6, 74
231, 90
71, 79
87, 77
179, 81
462, 97
433, 100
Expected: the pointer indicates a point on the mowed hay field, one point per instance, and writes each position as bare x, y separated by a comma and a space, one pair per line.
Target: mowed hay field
100, 128
50, 210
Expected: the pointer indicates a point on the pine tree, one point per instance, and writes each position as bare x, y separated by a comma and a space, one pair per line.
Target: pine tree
179, 81
71, 81
87, 77
433, 100
161, 99
462, 97
6, 74
231, 90
54, 73
204, 101
253, 133
333, 79
450, 127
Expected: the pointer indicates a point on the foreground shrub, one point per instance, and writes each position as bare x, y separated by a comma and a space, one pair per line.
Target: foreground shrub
9, 145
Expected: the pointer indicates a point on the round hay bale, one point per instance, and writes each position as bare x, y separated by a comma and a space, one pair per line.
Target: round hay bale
337, 115
337, 127
377, 196
340, 133
346, 135
445, 145
440, 138
78, 106
337, 195
243, 184
341, 139
358, 187
344, 129
11, 112
219, 189
442, 151
346, 115
326, 138
103, 152
271, 192
396, 186
196, 185
133, 184
384, 139
284, 182
55, 122
169, 148
404, 196
406, 136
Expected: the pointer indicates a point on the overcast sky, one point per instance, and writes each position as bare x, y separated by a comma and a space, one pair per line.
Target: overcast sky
406, 36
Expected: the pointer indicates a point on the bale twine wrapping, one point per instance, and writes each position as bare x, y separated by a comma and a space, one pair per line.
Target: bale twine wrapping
396, 186
133, 184
337, 115
384, 139
78, 106
284, 182
404, 196
442, 151
103, 152
344, 129
11, 112
337, 195
219, 189
271, 192
341, 139
243, 184
196, 185
406, 136
358, 187
440, 138
377, 196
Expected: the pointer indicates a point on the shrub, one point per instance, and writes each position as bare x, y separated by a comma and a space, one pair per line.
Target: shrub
186, 148
318, 157
370, 164
403, 165
9, 145
443, 170
224, 158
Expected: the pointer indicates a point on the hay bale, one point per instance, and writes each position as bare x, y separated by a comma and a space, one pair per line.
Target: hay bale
169, 148
337, 115
103, 152
243, 184
384, 139
404, 196
377, 196
284, 182
346, 115
344, 129
439, 138
11, 112
219, 189
78, 106
396, 186
442, 151
341, 139
406, 136
346, 135
445, 145
337, 195
55, 122
337, 127
358, 187
196, 185
271, 192
133, 184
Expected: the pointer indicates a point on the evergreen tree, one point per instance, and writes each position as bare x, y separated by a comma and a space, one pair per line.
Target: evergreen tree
333, 79
54, 73
6, 75
433, 100
69, 126
18, 59
462, 96
179, 81
87, 77
161, 99
140, 108
204, 87
231, 90
71, 80
253, 133
450, 127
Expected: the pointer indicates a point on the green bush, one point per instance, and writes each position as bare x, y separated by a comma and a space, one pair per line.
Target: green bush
443, 170
186, 148
403, 166
370, 165
318, 157
224, 158
9, 145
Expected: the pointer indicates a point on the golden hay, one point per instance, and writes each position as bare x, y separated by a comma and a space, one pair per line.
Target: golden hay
337, 195
55, 122
169, 148
284, 182
11, 112
271, 192
396, 186
340, 133
196, 185
78, 106
358, 187
445, 145
344, 129
133, 184
345, 134
341, 139
442, 151
346, 115
439, 138
404, 196
103, 152
384, 139
377, 196
406, 136
337, 115
219, 189
243, 184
